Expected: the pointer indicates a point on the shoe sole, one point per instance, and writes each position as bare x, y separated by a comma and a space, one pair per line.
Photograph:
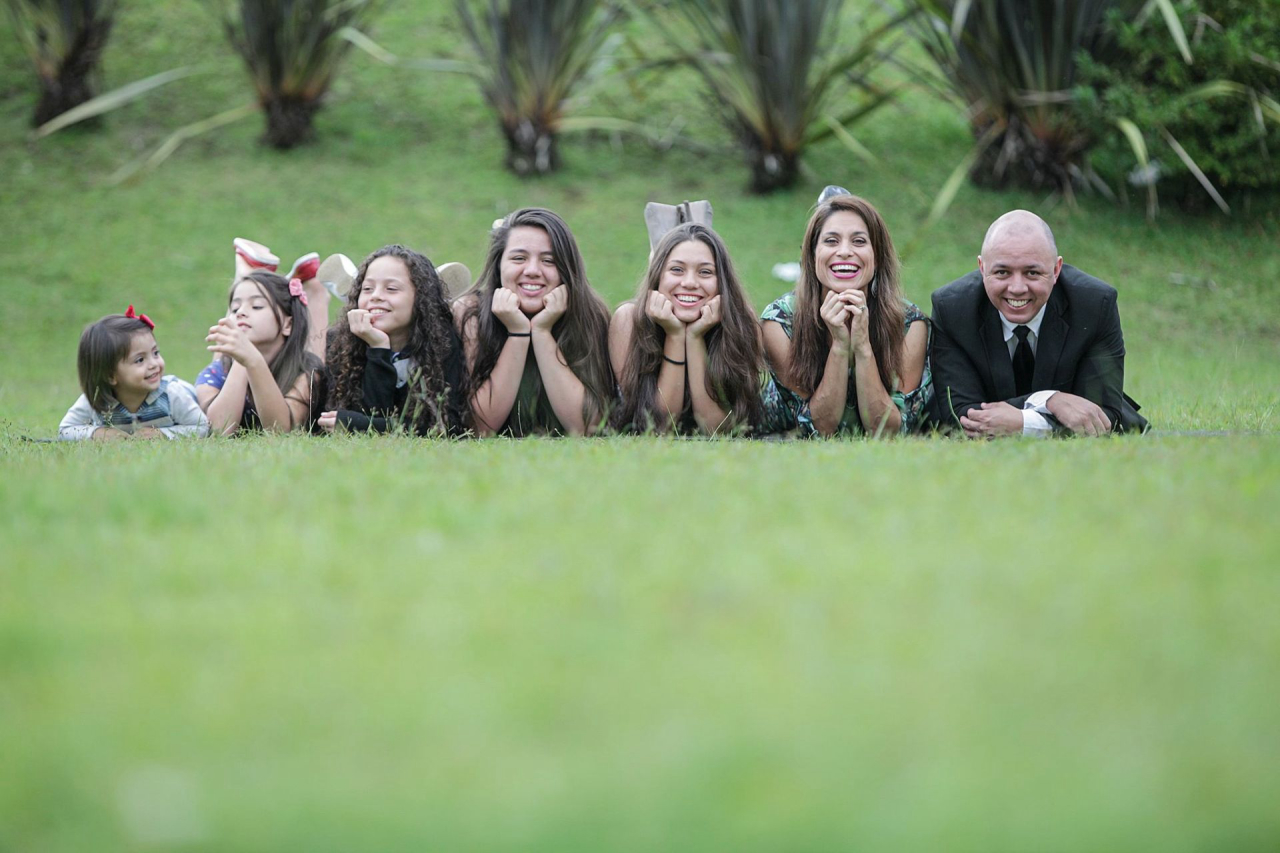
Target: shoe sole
455, 277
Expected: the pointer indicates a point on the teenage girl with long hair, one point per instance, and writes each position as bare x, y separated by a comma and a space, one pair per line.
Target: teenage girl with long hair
686, 350
535, 333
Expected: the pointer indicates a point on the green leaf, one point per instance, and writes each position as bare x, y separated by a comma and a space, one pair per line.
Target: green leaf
1174, 23
838, 130
1195, 170
1139, 146
114, 99
181, 135
947, 194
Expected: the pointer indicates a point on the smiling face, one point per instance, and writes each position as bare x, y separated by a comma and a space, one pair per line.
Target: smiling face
843, 257
689, 279
1019, 268
528, 267
387, 294
251, 310
140, 371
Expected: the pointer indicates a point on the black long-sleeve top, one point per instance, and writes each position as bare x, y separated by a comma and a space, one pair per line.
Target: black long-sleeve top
383, 403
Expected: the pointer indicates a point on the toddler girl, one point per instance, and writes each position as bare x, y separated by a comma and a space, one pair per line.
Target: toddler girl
126, 392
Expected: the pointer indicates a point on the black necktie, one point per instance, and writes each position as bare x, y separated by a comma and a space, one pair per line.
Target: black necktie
1024, 361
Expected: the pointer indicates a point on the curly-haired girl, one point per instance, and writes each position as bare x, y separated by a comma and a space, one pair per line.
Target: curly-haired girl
395, 358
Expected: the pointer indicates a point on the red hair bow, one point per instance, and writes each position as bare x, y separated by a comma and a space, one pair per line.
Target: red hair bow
295, 289
143, 317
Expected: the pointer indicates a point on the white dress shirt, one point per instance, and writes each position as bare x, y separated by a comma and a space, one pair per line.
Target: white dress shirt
1034, 410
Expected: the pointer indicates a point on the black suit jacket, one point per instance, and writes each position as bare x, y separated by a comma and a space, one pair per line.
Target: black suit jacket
1080, 349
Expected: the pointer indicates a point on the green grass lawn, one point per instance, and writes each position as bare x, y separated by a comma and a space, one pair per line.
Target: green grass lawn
286, 643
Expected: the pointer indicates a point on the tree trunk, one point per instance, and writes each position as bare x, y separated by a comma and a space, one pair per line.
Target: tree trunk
531, 149
73, 84
289, 121
1020, 158
771, 170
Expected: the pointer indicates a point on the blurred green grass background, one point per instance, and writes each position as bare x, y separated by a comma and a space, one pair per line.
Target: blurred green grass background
285, 643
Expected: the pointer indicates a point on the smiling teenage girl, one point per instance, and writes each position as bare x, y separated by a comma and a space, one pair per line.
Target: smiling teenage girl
126, 392
848, 350
535, 333
395, 357
686, 351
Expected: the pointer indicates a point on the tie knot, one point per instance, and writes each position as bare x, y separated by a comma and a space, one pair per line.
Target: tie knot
1022, 332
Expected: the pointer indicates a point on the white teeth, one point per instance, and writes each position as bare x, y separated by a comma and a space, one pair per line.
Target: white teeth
531, 288
687, 298
378, 311
1018, 303
844, 268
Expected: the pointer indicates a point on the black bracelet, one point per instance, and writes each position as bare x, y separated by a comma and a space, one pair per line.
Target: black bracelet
519, 334
672, 360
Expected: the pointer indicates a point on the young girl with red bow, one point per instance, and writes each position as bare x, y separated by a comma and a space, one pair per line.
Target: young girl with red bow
264, 376
126, 392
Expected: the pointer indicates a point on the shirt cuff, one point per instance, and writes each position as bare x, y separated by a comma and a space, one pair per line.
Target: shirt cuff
1035, 424
1038, 402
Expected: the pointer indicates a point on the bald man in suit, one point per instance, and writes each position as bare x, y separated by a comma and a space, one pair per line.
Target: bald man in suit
1026, 345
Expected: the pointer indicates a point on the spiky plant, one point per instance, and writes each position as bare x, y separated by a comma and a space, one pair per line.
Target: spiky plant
64, 39
1012, 63
776, 71
293, 49
532, 55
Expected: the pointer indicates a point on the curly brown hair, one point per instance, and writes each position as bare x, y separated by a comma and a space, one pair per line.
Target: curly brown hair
734, 355
811, 340
436, 403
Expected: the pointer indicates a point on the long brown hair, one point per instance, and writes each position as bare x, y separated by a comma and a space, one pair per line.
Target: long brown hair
810, 338
293, 358
734, 356
582, 333
435, 403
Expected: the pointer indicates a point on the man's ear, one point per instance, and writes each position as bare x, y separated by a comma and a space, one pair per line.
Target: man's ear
1057, 269
982, 272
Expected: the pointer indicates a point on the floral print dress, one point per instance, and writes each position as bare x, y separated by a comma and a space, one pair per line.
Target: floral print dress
912, 405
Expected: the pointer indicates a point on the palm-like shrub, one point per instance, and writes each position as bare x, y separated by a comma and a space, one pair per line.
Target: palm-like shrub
64, 39
776, 70
1211, 128
532, 55
293, 49
1013, 64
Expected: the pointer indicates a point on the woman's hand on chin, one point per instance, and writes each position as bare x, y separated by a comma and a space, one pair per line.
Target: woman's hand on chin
835, 314
660, 310
362, 327
554, 307
708, 319
855, 302
506, 307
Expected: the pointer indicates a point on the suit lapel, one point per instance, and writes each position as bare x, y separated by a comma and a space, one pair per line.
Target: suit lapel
997, 353
1053, 335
